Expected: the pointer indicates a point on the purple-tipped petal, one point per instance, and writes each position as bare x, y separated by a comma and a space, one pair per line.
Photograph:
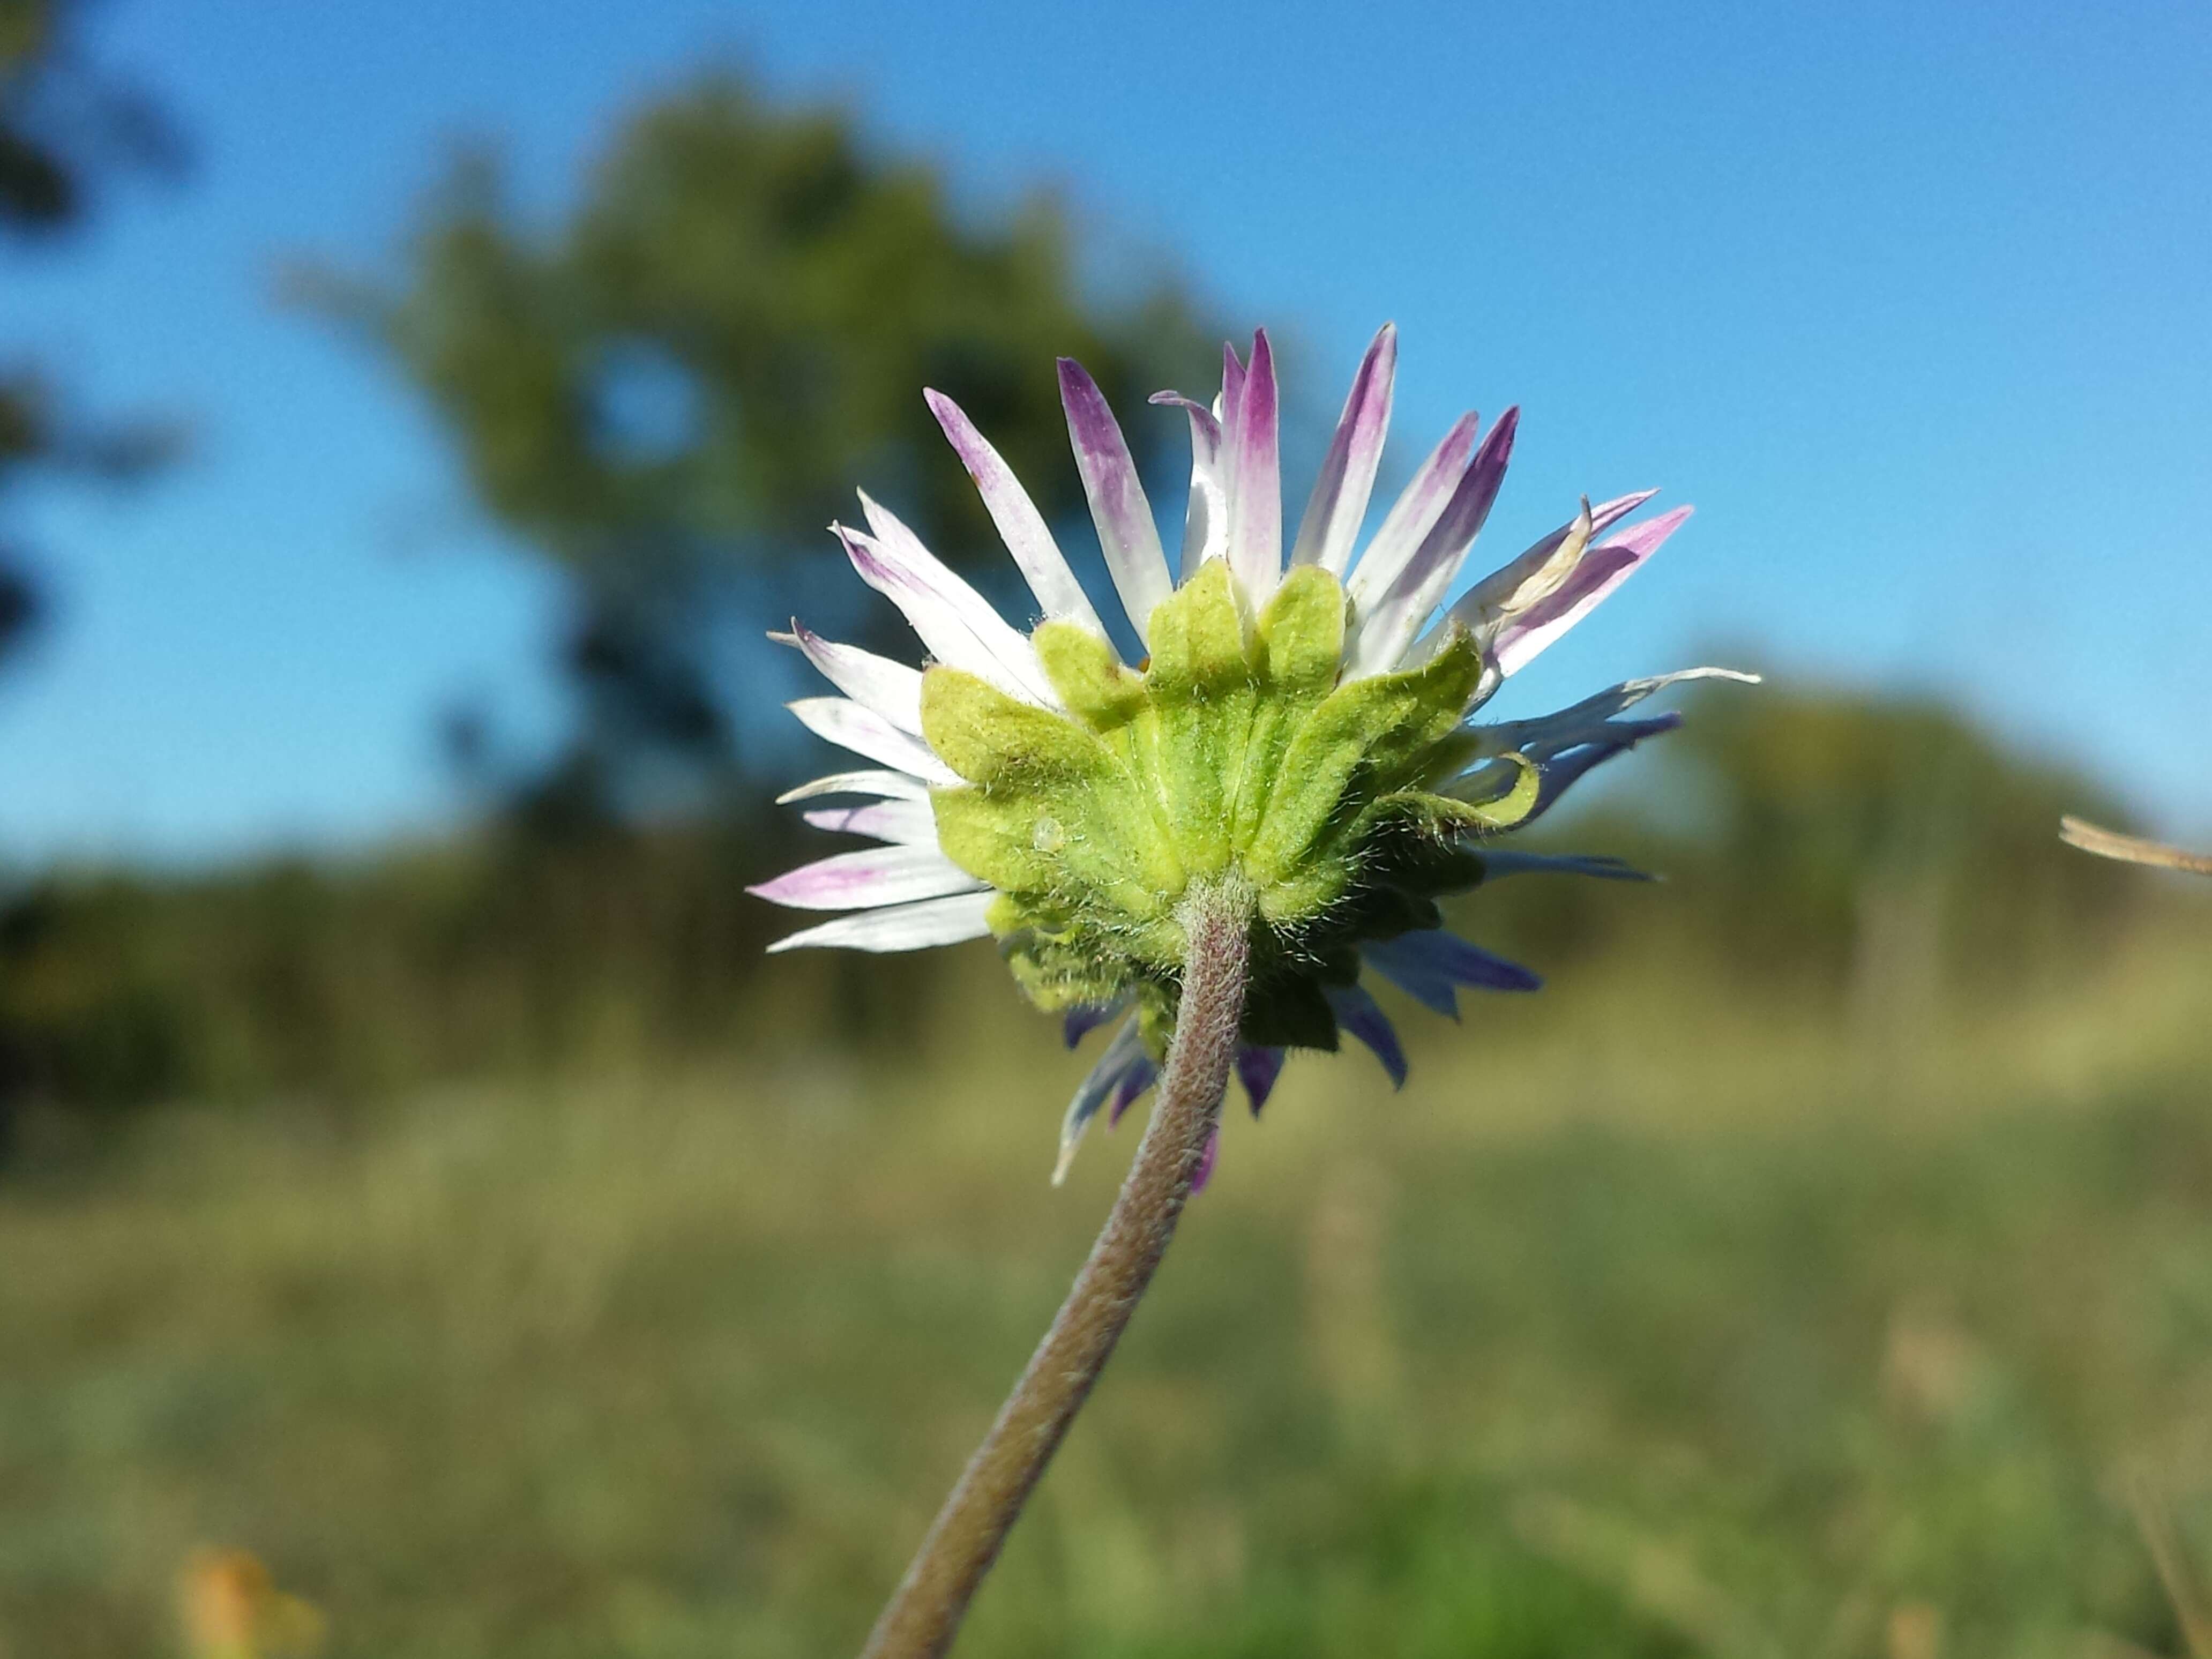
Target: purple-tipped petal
1209, 1155
1255, 480
866, 732
909, 823
1232, 390
1140, 1076
1475, 609
1430, 965
1127, 534
1558, 775
1602, 570
1357, 1013
891, 688
1257, 1069
868, 880
1392, 619
1206, 520
1414, 513
1097, 1087
954, 621
1085, 1017
1021, 526
902, 927
890, 786
1338, 504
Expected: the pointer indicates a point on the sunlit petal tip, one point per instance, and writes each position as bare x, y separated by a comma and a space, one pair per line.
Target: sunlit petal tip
892, 786
1020, 525
1255, 485
868, 880
1338, 504
1127, 534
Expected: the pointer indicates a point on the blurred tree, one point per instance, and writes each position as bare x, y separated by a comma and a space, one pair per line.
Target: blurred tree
1889, 839
671, 395
65, 126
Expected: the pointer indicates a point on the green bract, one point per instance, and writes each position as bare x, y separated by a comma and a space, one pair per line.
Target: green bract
1234, 756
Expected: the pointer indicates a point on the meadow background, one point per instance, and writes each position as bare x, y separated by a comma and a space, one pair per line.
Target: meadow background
412, 1172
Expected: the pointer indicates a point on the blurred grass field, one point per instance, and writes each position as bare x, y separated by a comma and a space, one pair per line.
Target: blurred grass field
1651, 1319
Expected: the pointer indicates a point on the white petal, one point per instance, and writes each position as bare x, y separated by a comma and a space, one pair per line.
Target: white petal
868, 880
1021, 526
909, 823
903, 927
866, 732
1127, 534
954, 621
896, 786
891, 688
1339, 503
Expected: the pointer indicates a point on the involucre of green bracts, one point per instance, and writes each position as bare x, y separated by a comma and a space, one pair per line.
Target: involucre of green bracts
1234, 756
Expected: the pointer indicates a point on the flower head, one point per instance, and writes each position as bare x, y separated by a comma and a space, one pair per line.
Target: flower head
1301, 727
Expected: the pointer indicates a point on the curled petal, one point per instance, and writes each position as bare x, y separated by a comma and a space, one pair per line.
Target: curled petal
1021, 526
866, 732
909, 822
902, 927
1339, 503
1602, 570
891, 688
1127, 534
892, 785
1478, 609
868, 880
1206, 520
1357, 1013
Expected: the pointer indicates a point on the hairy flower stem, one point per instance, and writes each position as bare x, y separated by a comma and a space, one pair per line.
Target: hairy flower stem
924, 1612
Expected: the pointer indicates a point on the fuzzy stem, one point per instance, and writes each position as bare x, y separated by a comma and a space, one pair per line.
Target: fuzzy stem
924, 1612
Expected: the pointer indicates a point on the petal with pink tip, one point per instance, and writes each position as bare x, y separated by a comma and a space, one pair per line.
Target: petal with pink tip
1470, 609
909, 822
1255, 480
1396, 615
1127, 534
1413, 513
902, 927
1338, 504
1602, 570
1021, 526
866, 732
868, 880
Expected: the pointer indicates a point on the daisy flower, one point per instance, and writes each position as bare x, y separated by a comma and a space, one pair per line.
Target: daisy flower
1302, 727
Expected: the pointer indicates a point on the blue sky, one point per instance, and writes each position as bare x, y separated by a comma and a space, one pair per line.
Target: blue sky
1915, 302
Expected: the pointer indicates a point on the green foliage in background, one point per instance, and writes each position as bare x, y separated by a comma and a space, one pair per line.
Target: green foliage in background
1643, 1324
65, 128
671, 392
